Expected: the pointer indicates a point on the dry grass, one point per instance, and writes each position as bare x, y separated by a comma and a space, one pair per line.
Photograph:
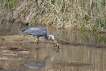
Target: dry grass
88, 14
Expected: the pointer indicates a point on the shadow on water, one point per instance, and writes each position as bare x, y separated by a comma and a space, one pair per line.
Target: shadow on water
78, 52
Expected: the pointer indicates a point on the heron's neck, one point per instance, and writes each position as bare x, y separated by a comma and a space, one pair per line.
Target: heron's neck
46, 37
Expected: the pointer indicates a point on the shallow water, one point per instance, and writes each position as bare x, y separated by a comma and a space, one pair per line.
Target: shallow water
79, 51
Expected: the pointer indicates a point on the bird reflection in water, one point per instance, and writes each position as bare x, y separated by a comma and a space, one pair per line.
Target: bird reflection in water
40, 63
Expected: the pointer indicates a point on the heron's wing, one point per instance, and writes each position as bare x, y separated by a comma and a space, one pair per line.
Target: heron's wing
41, 29
36, 31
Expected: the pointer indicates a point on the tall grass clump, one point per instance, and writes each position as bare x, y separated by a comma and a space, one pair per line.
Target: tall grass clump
78, 14
6, 8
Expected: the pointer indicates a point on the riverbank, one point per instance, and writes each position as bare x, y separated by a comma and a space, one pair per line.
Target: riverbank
14, 39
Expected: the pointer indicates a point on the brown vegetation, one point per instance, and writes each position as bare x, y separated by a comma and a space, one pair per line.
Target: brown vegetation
88, 15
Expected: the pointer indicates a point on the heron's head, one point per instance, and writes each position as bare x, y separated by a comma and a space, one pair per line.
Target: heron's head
51, 37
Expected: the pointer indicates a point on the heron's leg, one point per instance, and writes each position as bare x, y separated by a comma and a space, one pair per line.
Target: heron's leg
37, 40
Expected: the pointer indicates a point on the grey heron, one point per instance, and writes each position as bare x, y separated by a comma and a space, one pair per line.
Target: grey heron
40, 32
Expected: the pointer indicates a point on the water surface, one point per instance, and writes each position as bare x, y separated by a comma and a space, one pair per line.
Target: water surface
79, 51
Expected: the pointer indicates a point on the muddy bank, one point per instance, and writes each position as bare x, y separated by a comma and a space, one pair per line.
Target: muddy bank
10, 49
12, 39
64, 42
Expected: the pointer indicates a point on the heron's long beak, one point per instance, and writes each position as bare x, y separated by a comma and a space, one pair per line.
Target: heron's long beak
56, 43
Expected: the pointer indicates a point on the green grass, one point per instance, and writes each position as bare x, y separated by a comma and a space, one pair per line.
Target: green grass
9, 4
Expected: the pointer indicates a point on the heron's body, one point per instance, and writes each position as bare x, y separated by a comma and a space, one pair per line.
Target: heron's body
39, 32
